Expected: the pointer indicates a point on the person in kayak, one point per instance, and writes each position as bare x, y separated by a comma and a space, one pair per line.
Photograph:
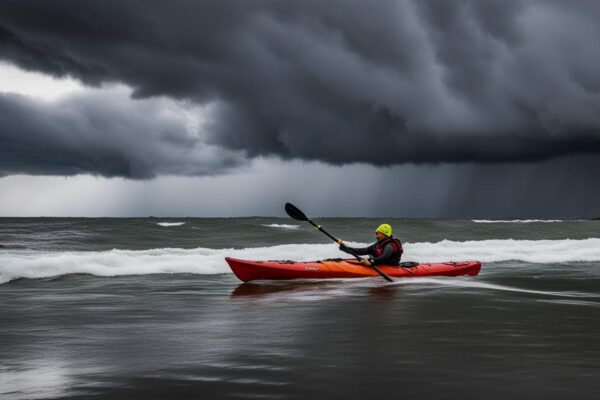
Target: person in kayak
387, 250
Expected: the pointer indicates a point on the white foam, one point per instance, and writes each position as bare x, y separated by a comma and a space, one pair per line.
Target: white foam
533, 251
16, 264
282, 226
474, 284
170, 223
514, 221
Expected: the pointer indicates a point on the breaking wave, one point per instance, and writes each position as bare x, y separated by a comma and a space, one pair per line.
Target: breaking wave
16, 264
170, 223
514, 221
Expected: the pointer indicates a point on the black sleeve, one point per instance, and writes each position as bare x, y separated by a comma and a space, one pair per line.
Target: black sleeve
361, 251
385, 257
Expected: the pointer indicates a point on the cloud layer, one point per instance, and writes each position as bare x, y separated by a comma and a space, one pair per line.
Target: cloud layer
381, 82
103, 132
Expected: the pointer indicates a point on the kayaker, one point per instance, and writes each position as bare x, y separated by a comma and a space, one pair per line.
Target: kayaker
387, 250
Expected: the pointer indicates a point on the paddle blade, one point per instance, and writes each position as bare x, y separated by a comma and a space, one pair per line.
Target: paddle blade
294, 212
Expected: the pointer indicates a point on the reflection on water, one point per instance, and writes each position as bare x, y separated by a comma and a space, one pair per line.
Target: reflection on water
264, 289
43, 378
384, 291
314, 290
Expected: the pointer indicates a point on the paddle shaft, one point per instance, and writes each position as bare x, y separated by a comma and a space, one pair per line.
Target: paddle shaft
349, 250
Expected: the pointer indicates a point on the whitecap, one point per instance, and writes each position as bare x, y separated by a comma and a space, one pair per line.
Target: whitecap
282, 226
514, 221
170, 223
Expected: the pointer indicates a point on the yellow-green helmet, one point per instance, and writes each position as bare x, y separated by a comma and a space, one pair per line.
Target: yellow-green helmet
386, 229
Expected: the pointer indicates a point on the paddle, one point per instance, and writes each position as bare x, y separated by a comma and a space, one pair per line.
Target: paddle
298, 215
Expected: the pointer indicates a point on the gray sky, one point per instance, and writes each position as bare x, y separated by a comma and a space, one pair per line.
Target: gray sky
403, 108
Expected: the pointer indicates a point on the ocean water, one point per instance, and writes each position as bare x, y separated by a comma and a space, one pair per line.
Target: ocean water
148, 308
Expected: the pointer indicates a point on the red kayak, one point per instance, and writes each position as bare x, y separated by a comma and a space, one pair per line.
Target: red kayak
247, 270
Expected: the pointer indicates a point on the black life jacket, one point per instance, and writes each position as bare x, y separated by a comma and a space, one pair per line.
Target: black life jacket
396, 246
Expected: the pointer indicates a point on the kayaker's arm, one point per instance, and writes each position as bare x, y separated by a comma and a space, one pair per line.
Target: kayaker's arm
361, 251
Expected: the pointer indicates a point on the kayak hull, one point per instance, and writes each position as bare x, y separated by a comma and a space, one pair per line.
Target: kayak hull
248, 270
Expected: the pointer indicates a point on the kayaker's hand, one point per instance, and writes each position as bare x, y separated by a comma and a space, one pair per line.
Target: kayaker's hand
366, 262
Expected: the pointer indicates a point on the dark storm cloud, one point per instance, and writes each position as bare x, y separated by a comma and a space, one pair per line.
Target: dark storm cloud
103, 133
382, 82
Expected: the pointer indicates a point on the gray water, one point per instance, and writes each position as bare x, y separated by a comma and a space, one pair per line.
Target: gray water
127, 308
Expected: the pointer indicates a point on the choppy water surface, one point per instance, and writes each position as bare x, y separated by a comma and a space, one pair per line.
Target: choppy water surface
147, 308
